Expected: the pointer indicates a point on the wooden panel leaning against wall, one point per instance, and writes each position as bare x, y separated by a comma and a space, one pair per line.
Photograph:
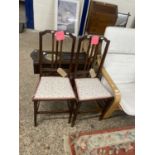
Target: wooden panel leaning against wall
100, 16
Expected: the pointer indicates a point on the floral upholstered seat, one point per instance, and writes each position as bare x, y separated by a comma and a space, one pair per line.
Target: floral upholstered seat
54, 88
91, 88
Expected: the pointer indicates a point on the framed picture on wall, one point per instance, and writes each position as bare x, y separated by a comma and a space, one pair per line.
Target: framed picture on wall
67, 15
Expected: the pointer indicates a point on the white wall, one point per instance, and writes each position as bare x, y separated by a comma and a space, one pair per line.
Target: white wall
43, 14
44, 11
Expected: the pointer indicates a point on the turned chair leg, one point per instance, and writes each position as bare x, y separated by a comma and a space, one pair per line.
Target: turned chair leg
70, 106
70, 114
108, 110
71, 110
75, 114
35, 113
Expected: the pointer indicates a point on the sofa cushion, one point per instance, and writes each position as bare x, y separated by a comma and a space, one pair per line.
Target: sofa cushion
127, 91
120, 60
122, 40
128, 97
121, 67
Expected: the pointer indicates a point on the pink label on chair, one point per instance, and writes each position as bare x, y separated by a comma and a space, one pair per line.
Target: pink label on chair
60, 35
95, 40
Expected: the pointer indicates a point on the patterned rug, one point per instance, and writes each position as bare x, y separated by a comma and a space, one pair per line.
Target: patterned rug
103, 142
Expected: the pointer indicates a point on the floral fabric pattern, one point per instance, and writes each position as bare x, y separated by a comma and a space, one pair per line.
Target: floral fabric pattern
91, 88
54, 88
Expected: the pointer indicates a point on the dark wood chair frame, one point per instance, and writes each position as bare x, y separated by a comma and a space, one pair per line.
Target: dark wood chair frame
57, 51
92, 52
47, 63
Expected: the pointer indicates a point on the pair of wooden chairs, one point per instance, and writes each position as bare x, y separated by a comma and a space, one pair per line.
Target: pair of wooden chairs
74, 85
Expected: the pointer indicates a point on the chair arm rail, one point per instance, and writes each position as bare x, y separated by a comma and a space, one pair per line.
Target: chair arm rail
117, 95
116, 91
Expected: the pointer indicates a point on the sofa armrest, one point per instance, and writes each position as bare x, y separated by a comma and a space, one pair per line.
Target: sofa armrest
110, 81
117, 95
108, 78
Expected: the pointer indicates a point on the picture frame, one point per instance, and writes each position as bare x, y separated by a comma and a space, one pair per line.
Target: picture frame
67, 16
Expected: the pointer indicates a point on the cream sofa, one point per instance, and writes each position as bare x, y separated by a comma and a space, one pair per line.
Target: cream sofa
119, 67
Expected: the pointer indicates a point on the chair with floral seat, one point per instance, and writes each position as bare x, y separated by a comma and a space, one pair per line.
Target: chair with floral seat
87, 85
52, 86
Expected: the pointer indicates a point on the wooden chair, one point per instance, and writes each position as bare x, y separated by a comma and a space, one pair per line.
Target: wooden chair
52, 86
89, 89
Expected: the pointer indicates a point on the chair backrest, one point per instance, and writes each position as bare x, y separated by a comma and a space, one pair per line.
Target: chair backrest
120, 62
92, 50
55, 54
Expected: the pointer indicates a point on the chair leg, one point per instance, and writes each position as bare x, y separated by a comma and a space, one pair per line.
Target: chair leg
35, 113
71, 110
107, 112
75, 114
